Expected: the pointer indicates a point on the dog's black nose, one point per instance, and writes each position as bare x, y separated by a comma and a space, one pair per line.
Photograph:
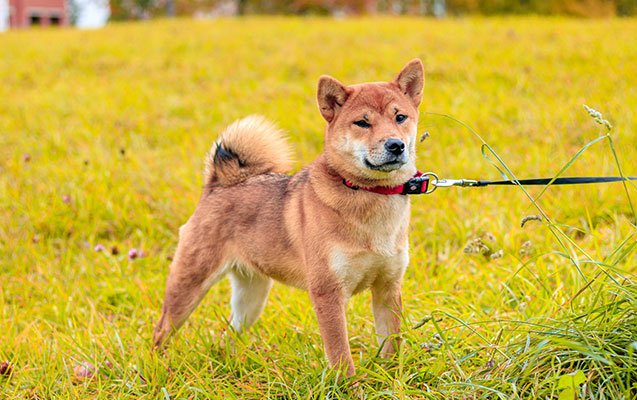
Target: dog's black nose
395, 146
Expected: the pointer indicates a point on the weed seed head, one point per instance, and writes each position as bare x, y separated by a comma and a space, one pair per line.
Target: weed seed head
598, 117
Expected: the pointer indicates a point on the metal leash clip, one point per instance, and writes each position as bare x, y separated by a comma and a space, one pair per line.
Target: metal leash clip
454, 182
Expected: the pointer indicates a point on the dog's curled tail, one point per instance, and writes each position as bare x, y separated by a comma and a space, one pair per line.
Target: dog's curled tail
248, 147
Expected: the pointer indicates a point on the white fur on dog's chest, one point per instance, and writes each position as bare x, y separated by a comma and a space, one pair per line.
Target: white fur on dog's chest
358, 271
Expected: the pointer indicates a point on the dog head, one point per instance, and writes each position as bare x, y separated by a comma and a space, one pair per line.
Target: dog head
371, 133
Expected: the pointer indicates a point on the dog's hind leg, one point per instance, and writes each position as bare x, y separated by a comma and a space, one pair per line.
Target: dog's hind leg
192, 273
249, 295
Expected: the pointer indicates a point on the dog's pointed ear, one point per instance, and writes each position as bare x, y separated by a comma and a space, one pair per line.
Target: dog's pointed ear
411, 81
331, 96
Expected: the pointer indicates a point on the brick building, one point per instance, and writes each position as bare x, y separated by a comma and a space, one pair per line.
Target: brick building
25, 13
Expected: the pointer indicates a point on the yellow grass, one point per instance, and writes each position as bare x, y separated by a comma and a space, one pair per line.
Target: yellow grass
102, 140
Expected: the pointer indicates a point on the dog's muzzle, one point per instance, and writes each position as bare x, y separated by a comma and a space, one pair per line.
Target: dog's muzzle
387, 165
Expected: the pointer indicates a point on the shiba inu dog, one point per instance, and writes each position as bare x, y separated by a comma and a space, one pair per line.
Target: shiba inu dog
312, 230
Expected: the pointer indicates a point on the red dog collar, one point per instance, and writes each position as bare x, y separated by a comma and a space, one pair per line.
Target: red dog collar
416, 185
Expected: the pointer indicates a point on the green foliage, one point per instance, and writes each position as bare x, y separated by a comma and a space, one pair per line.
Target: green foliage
581, 8
569, 383
626, 7
102, 139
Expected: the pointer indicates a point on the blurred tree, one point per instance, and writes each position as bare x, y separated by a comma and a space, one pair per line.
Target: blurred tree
626, 7
585, 8
463, 6
582, 8
129, 9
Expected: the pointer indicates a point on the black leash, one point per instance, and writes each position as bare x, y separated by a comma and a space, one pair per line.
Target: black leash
576, 180
431, 182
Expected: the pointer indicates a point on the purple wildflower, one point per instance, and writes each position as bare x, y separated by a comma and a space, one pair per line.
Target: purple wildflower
133, 254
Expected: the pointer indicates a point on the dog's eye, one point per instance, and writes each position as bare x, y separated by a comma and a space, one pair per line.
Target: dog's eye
400, 118
362, 123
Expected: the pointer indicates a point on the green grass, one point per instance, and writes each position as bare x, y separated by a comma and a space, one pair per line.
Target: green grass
116, 123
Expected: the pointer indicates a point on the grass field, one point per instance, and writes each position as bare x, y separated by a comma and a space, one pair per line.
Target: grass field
102, 138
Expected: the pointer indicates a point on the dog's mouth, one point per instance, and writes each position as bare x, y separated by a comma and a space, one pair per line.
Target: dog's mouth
385, 167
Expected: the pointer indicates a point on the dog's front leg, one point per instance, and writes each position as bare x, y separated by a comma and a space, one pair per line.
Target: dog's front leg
387, 306
328, 300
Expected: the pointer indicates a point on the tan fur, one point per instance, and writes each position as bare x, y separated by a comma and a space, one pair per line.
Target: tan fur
307, 230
